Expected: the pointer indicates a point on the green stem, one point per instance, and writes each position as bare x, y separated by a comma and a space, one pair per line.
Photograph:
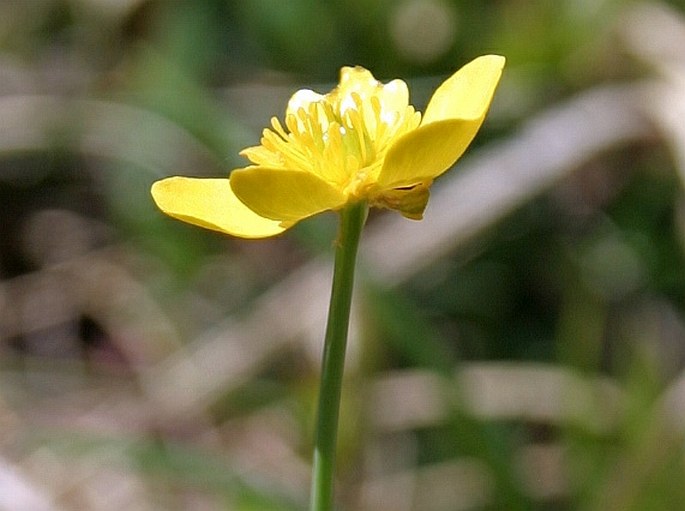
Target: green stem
352, 220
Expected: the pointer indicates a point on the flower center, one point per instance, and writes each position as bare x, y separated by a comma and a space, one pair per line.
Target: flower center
341, 137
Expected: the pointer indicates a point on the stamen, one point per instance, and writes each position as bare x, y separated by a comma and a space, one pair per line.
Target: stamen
356, 134
278, 128
291, 123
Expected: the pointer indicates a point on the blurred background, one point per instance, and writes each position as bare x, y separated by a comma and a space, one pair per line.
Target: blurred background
522, 348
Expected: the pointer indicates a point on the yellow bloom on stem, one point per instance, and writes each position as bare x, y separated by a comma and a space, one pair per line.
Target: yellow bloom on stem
363, 141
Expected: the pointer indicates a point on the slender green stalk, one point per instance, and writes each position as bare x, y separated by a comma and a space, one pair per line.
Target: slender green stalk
352, 220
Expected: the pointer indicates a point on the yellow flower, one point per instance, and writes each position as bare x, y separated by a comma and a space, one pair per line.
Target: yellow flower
363, 141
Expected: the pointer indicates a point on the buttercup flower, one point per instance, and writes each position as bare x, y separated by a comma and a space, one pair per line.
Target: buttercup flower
363, 141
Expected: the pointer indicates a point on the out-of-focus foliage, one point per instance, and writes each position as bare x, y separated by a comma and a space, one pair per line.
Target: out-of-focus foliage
532, 360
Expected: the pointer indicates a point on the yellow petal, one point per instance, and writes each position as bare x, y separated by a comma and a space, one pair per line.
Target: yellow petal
468, 92
354, 80
452, 119
393, 97
210, 203
425, 153
285, 195
393, 100
302, 99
